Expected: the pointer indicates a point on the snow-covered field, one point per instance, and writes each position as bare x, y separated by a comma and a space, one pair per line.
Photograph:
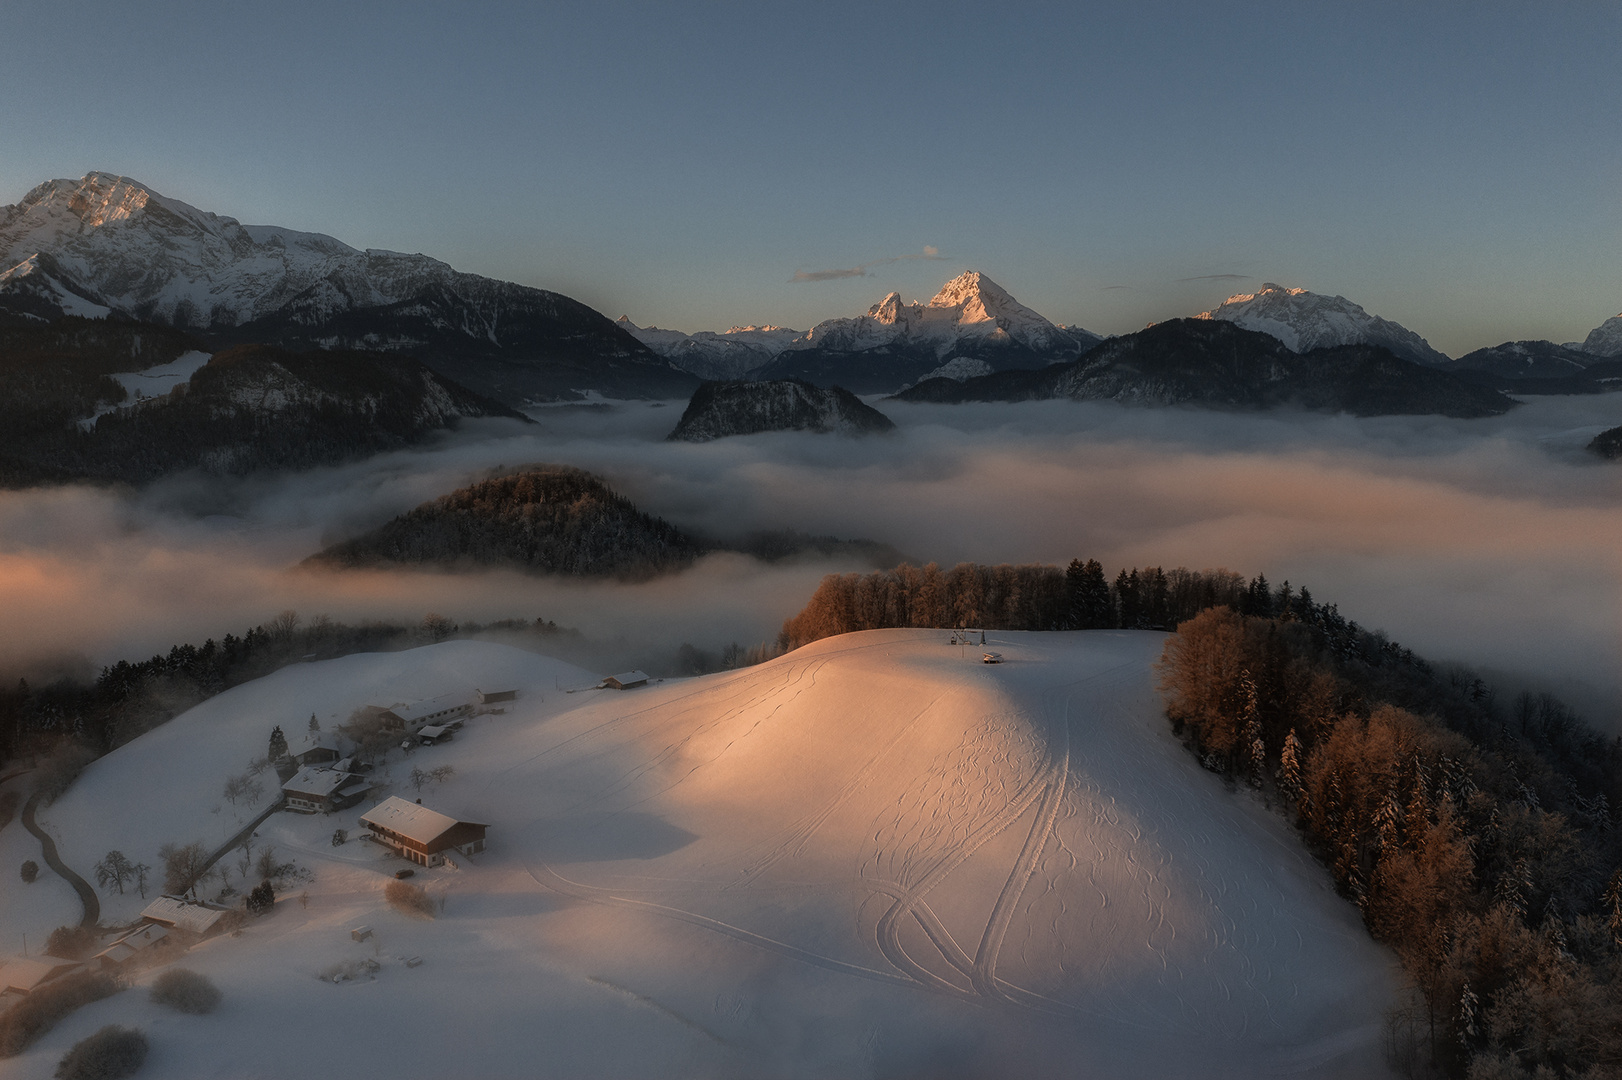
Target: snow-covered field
872, 857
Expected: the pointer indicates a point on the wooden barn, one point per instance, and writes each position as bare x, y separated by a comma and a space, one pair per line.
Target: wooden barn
420, 834
491, 697
188, 916
626, 679
321, 750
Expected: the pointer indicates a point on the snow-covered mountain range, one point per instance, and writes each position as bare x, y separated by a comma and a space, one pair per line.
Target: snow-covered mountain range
971, 326
1605, 339
106, 243
1304, 321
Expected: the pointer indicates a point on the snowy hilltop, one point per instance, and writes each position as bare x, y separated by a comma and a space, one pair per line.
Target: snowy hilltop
106, 243
1304, 321
971, 326
719, 409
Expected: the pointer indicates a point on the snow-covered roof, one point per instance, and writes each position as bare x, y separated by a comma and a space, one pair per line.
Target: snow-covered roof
628, 678
314, 780
183, 914
422, 710
411, 820
23, 973
131, 944
434, 731
321, 741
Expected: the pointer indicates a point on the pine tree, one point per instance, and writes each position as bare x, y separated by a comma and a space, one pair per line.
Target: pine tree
1254, 747
1469, 1004
278, 744
315, 725
1289, 768
1613, 898
1097, 612
1513, 887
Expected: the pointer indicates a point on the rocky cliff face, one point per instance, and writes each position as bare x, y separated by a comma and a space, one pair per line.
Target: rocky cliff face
720, 409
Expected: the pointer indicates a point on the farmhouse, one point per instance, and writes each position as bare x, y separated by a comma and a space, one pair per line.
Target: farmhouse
410, 717
190, 916
131, 945
626, 679
314, 790
420, 834
319, 751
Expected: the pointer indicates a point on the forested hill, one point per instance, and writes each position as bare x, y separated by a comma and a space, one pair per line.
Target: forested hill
549, 519
1214, 363
248, 408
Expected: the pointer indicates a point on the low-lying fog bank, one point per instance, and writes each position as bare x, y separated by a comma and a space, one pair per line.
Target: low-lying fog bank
1488, 541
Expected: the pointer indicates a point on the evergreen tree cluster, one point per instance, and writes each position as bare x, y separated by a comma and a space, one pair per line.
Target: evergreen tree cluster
1476, 836
1034, 597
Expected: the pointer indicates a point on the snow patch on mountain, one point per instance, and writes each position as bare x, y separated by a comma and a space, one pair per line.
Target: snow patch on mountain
1304, 321
960, 368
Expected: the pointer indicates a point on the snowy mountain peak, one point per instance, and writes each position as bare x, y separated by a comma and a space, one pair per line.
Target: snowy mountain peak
974, 289
1304, 321
890, 310
1605, 339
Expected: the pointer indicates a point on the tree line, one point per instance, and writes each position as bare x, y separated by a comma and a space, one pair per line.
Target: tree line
1476, 835
71, 721
1041, 597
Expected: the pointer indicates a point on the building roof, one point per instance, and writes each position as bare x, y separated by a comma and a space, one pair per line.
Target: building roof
412, 820
627, 678
23, 973
316, 781
434, 731
318, 741
421, 710
183, 914
132, 943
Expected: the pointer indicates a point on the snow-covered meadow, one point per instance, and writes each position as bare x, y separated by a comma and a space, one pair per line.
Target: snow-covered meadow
874, 856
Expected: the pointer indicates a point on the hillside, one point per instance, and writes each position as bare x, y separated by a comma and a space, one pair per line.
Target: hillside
720, 409
1211, 362
549, 519
247, 408
848, 861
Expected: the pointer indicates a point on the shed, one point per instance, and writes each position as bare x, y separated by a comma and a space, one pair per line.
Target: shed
23, 974
626, 679
420, 834
490, 697
435, 733
188, 915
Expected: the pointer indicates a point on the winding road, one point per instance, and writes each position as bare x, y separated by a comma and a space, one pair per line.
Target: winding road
47, 846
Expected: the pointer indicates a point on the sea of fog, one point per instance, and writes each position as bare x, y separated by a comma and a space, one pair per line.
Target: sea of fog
1492, 542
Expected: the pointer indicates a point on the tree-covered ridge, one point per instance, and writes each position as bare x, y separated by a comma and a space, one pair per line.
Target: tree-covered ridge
548, 519
1476, 836
1608, 444
250, 407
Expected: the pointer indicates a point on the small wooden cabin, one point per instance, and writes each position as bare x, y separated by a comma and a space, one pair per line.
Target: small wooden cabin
420, 834
626, 679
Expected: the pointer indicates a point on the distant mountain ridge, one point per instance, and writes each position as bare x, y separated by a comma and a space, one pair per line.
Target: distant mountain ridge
971, 320
108, 245
1304, 321
1215, 363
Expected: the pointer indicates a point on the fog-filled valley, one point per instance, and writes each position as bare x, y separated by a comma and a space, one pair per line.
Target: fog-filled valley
1487, 541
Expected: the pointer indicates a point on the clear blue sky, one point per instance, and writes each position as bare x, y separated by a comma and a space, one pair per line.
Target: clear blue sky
1456, 167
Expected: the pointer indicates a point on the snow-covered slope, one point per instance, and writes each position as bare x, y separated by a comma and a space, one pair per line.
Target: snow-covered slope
106, 242
1306, 320
874, 856
1605, 339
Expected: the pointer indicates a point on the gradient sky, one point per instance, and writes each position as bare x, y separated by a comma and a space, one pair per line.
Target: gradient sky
1453, 166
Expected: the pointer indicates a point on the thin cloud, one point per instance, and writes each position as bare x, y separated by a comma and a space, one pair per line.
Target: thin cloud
1217, 277
1108, 288
929, 254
